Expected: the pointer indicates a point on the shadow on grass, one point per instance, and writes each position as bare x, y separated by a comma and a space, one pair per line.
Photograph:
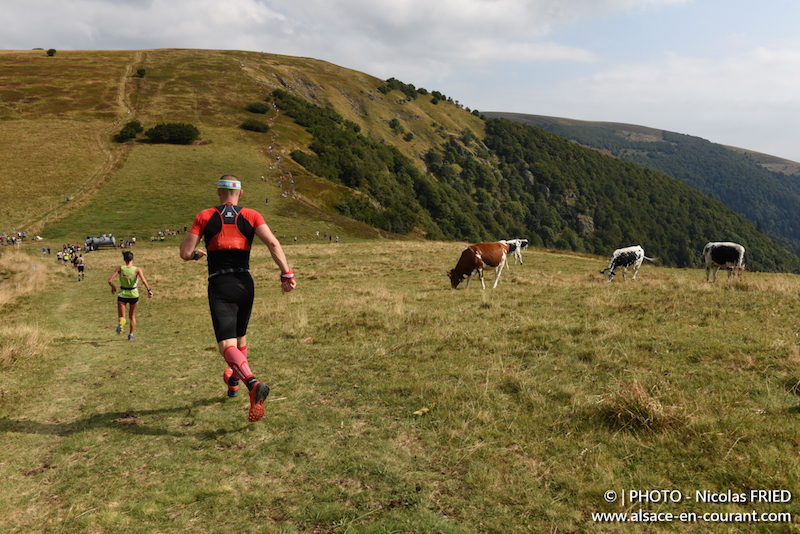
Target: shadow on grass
132, 421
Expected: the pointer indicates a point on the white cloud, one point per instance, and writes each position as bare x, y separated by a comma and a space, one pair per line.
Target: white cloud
445, 30
769, 77
748, 100
493, 54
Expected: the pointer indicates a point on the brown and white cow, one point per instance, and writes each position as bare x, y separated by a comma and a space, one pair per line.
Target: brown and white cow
723, 254
474, 259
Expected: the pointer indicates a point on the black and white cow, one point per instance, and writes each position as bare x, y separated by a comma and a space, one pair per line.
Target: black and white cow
723, 254
515, 247
625, 257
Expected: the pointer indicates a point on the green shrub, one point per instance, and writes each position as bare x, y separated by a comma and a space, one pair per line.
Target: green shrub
254, 125
128, 132
258, 107
51, 52
176, 133
394, 84
135, 126
141, 72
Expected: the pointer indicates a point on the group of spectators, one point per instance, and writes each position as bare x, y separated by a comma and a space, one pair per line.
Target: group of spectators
13, 238
166, 233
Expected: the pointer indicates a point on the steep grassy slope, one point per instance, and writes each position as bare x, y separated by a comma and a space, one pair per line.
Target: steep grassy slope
56, 114
56, 136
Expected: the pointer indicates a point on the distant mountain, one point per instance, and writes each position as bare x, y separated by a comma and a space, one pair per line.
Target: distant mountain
762, 188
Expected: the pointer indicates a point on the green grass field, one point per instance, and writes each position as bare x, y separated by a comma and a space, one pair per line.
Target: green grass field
397, 404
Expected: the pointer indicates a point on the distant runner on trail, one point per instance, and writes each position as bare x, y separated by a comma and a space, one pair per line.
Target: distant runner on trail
81, 266
129, 276
228, 231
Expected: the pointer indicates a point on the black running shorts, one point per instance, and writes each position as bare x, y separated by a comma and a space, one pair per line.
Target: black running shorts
230, 297
128, 300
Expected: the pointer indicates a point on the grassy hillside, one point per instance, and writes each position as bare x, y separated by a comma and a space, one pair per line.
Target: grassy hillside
64, 148
397, 404
763, 189
418, 165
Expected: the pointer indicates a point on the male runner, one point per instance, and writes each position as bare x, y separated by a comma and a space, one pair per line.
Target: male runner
228, 231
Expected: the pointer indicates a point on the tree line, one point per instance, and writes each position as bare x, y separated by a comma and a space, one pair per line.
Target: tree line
770, 200
540, 186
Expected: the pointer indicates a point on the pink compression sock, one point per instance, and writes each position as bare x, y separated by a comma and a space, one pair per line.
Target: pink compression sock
237, 360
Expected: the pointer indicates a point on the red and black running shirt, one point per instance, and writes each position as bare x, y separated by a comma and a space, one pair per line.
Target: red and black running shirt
228, 232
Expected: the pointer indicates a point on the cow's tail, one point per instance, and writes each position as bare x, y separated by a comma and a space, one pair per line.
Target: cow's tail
651, 259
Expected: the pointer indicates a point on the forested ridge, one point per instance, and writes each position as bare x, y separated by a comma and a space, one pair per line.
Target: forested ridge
520, 181
770, 200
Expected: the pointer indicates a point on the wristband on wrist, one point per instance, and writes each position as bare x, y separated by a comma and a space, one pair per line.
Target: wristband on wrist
288, 275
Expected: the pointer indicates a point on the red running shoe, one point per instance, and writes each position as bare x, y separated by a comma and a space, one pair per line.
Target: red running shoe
232, 383
257, 396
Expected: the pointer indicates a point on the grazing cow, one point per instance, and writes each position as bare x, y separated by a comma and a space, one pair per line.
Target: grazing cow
625, 257
515, 247
473, 260
723, 254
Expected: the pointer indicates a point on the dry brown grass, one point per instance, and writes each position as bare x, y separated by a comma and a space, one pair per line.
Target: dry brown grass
20, 274
21, 342
632, 407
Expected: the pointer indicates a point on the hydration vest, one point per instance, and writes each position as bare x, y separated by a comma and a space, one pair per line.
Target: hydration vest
229, 237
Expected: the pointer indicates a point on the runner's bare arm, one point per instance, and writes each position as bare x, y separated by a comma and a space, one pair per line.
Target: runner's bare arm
111, 280
189, 250
265, 234
140, 274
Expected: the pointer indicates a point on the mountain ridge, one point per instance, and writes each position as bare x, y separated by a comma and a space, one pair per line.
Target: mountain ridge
768, 161
762, 188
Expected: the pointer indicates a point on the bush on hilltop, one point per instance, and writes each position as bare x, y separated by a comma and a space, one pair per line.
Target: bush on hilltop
258, 107
129, 132
176, 133
254, 125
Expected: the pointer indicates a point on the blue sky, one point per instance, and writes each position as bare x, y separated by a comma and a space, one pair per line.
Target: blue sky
728, 71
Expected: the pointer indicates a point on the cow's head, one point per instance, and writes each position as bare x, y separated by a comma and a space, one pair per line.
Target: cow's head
454, 278
706, 252
609, 274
